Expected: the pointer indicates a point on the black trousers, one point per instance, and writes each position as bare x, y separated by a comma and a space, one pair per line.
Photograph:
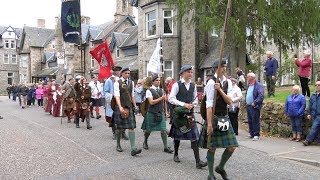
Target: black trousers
304, 85
234, 121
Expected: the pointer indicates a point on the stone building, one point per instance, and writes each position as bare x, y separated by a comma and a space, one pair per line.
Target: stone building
9, 57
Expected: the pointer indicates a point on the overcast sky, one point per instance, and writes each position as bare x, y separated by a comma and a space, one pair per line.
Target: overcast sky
19, 12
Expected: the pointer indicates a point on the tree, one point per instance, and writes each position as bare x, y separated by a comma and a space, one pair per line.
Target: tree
286, 22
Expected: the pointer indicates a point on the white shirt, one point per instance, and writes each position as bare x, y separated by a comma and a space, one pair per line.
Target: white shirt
95, 89
148, 92
117, 89
235, 95
175, 89
209, 89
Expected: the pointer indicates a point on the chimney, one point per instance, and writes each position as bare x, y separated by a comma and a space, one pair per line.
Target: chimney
41, 23
85, 20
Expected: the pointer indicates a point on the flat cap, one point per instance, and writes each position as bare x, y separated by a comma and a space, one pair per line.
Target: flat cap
216, 62
185, 68
154, 77
125, 69
116, 68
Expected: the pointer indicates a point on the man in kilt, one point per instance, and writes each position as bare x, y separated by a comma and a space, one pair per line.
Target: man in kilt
184, 94
124, 95
69, 97
219, 139
155, 118
108, 89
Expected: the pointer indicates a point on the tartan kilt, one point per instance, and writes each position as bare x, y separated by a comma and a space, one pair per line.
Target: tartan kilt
219, 139
149, 123
192, 135
120, 123
67, 104
96, 102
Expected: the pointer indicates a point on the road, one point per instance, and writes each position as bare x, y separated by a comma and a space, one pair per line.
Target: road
35, 145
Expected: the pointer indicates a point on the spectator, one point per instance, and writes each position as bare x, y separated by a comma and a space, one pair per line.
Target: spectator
233, 108
304, 68
39, 95
9, 90
254, 99
138, 95
314, 115
270, 68
208, 77
30, 95
241, 79
199, 85
23, 92
294, 108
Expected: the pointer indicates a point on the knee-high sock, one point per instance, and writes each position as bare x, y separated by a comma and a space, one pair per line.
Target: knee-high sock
176, 147
146, 136
195, 149
164, 139
118, 136
224, 158
132, 137
210, 159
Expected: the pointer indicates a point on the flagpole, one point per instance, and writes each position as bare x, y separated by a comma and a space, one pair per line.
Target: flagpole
227, 14
83, 66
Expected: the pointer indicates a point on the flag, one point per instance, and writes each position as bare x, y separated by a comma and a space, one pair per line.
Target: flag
154, 62
71, 21
134, 3
103, 55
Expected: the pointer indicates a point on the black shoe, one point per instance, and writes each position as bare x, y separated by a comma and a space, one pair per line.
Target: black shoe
168, 150
135, 152
1, 117
145, 145
92, 116
306, 143
98, 116
77, 126
211, 178
176, 159
89, 127
201, 164
222, 173
119, 149
124, 136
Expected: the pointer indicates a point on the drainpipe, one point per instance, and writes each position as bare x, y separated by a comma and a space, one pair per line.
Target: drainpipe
179, 48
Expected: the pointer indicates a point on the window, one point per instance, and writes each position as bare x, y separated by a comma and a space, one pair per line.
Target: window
6, 44
13, 59
92, 62
13, 44
24, 62
168, 69
117, 52
167, 22
6, 59
151, 23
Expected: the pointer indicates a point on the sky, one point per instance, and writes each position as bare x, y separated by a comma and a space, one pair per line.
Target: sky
19, 12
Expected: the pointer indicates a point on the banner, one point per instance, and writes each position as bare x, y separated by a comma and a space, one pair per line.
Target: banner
104, 57
154, 64
71, 21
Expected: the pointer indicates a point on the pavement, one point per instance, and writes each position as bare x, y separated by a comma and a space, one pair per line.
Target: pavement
35, 145
279, 147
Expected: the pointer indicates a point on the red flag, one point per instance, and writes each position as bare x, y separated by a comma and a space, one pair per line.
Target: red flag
103, 55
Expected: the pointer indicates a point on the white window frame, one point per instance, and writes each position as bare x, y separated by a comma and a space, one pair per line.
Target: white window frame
6, 58
117, 52
169, 18
16, 57
24, 62
149, 21
6, 44
168, 70
92, 62
13, 44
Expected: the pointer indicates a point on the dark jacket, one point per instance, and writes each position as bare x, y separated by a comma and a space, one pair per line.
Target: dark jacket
23, 90
271, 67
258, 95
31, 93
314, 107
295, 107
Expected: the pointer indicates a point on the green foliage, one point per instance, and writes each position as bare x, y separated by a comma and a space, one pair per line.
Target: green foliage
287, 22
288, 68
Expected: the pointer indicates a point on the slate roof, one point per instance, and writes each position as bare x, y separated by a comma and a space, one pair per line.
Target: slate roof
87, 30
132, 39
39, 37
214, 54
49, 57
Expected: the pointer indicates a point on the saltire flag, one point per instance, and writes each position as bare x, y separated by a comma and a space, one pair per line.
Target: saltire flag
154, 64
71, 21
103, 55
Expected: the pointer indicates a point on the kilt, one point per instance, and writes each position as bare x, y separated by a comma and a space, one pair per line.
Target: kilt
67, 104
219, 139
96, 102
192, 135
120, 123
150, 124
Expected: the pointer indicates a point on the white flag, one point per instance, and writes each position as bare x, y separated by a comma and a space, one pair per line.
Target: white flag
154, 62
